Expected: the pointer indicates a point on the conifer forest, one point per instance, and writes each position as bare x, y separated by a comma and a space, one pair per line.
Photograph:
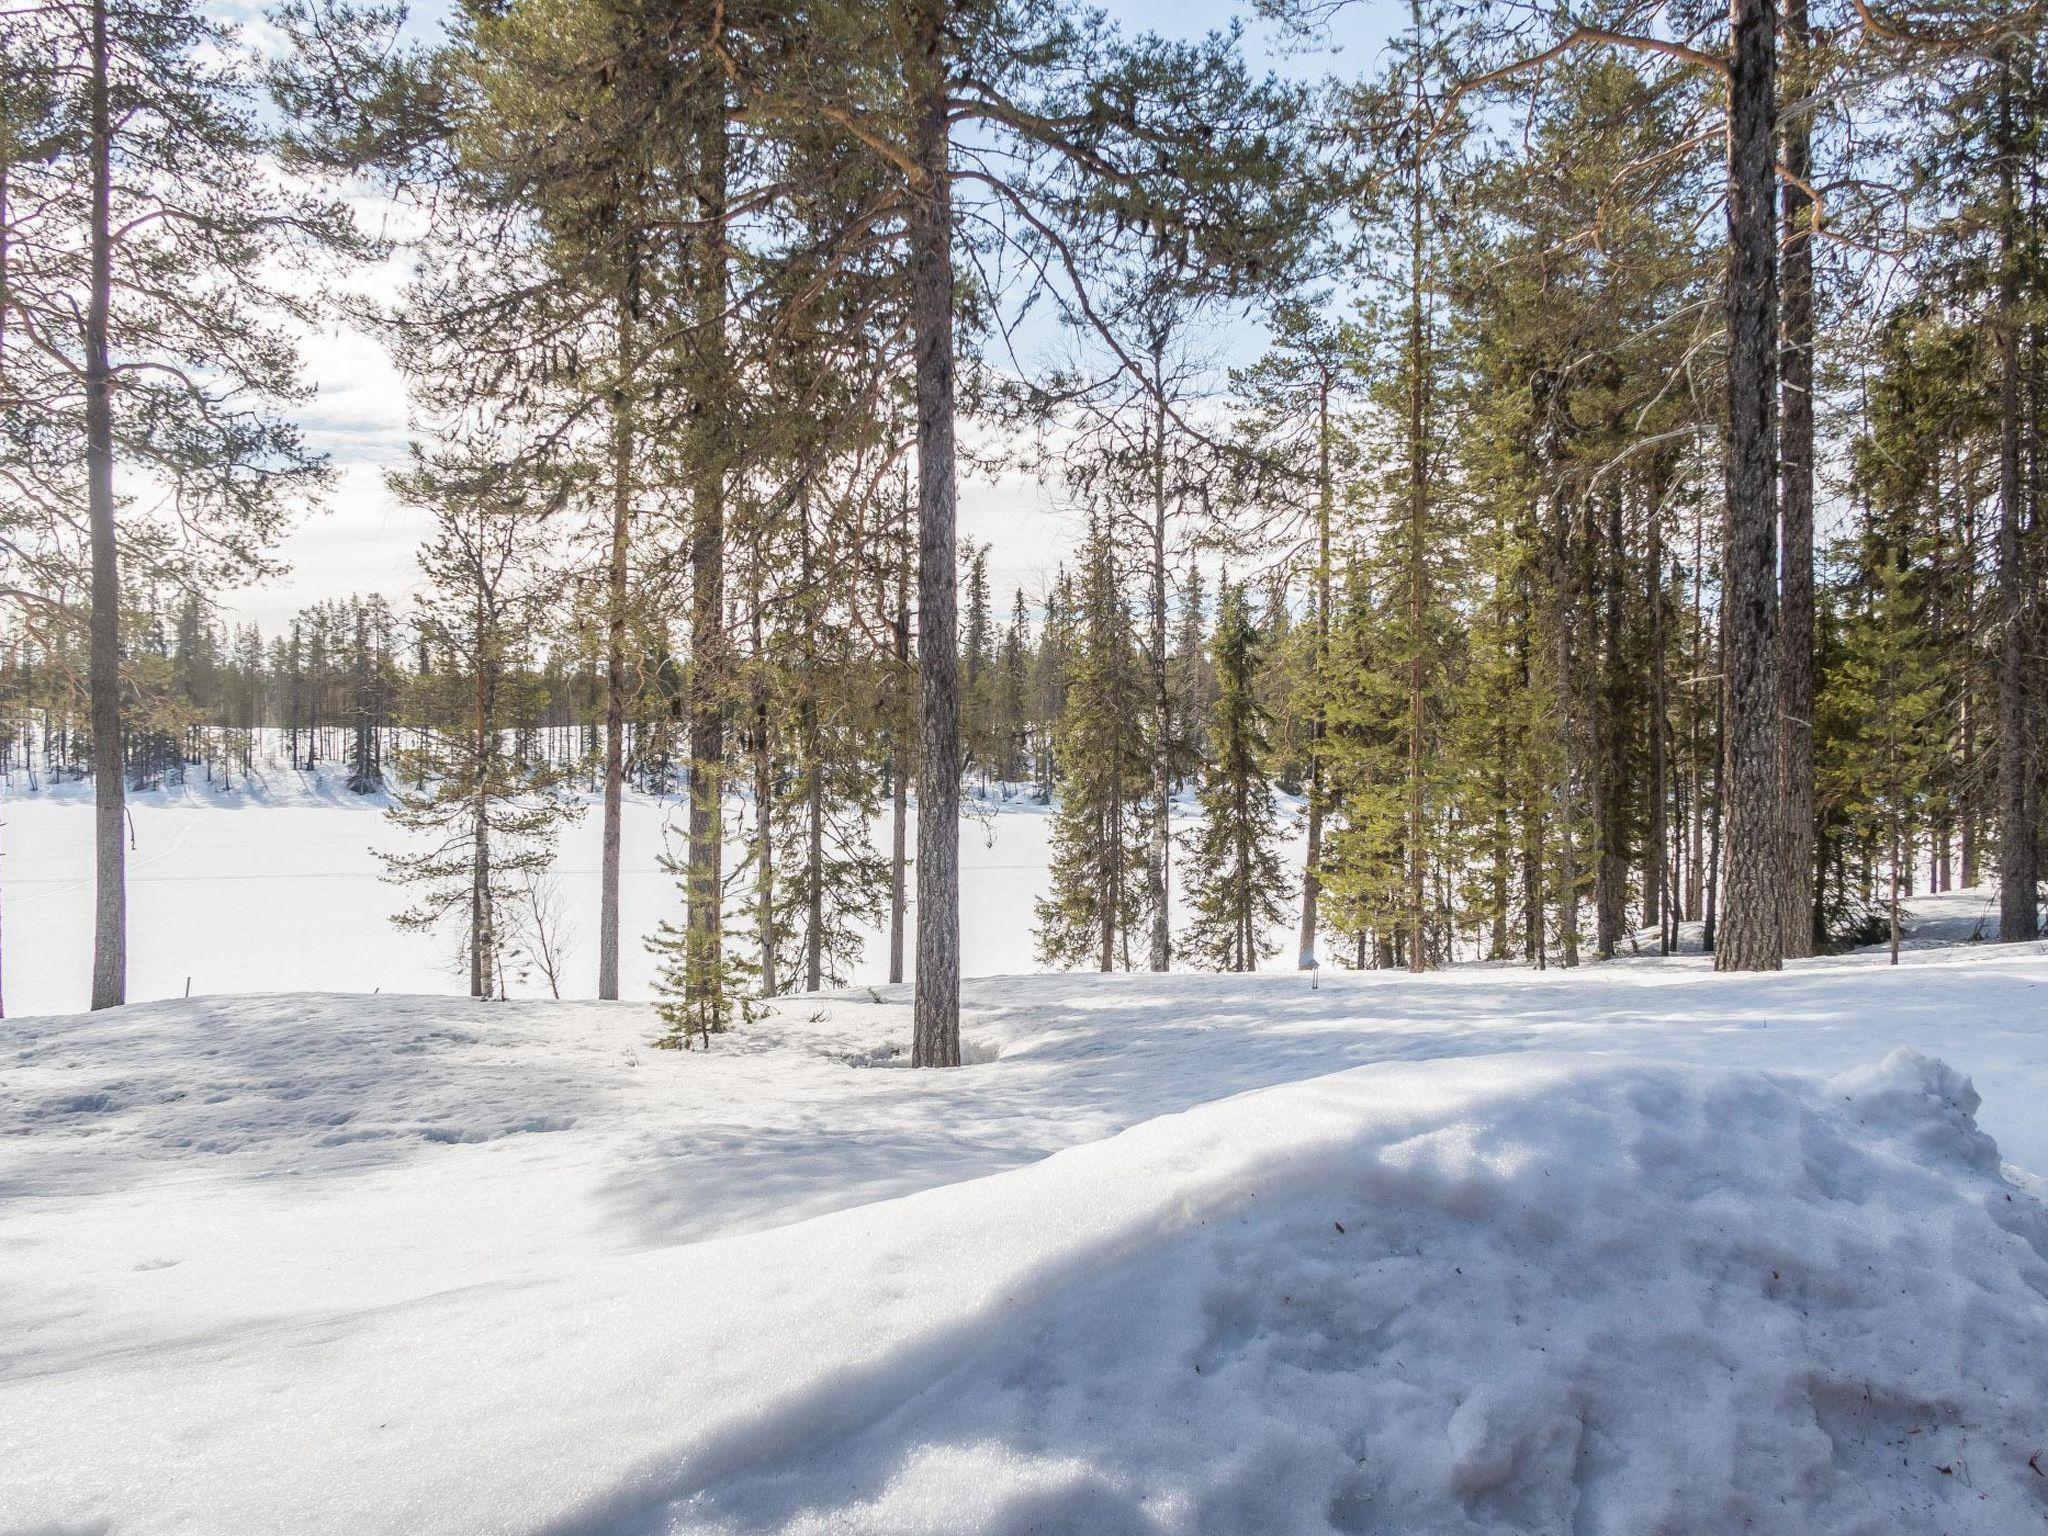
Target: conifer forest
1580, 467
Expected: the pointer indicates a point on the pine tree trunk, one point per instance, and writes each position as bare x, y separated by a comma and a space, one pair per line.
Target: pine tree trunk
1697, 872
936, 1037
1533, 789
900, 770
706, 880
1610, 874
814, 854
1418, 493
1971, 809
1892, 905
1567, 800
1751, 936
1712, 868
1111, 841
1657, 866
110, 904
764, 801
1311, 876
615, 668
1159, 862
481, 942
1795, 706
2019, 914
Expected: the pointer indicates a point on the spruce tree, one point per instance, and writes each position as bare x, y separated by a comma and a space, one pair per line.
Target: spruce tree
1101, 837
1237, 886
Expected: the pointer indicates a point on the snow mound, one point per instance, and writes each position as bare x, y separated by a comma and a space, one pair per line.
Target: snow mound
1511, 1294
1606, 1299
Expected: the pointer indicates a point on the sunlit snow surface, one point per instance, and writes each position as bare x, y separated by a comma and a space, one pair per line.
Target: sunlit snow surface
1633, 1249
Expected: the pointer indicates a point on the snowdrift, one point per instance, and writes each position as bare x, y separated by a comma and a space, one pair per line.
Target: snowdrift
1515, 1293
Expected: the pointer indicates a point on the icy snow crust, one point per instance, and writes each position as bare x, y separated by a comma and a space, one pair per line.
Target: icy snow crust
1634, 1250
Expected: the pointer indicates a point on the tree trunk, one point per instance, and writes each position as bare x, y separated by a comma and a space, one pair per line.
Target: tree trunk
1567, 800
900, 769
936, 1037
1610, 873
615, 664
814, 872
1418, 492
1968, 706
764, 800
1697, 872
109, 787
481, 939
1795, 488
1713, 877
1311, 877
706, 882
1751, 936
2019, 913
1892, 904
1657, 866
1159, 862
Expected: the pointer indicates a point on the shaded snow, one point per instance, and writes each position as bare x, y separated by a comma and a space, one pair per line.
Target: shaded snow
1637, 1248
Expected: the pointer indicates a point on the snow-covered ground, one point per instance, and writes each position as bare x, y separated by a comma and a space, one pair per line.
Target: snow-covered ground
1631, 1249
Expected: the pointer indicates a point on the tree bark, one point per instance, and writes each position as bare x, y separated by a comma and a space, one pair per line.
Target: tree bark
1311, 878
109, 786
764, 798
1657, 867
1610, 873
814, 781
1418, 493
2019, 912
1751, 936
615, 662
935, 1039
1795, 489
1570, 737
481, 939
706, 882
1159, 861
900, 770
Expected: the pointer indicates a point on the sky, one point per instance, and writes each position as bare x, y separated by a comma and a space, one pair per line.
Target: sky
363, 539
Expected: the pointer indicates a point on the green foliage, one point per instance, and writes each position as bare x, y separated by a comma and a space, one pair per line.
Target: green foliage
1096, 894
1237, 888
488, 817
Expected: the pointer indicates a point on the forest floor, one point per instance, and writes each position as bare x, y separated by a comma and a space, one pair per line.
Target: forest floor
1626, 1249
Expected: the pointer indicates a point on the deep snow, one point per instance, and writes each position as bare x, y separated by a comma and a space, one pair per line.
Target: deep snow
1632, 1249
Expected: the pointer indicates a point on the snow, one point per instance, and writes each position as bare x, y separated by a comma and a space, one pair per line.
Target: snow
278, 887
1631, 1248
1627, 1249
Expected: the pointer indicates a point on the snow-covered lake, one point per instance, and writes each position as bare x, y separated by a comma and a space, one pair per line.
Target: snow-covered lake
281, 889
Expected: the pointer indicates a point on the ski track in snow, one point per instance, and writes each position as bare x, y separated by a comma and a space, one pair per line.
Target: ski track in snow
1635, 1248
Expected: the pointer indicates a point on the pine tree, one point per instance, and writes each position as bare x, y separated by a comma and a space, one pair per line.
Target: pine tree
137, 149
1100, 836
1301, 447
1090, 149
1193, 674
1237, 887
1888, 690
490, 817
